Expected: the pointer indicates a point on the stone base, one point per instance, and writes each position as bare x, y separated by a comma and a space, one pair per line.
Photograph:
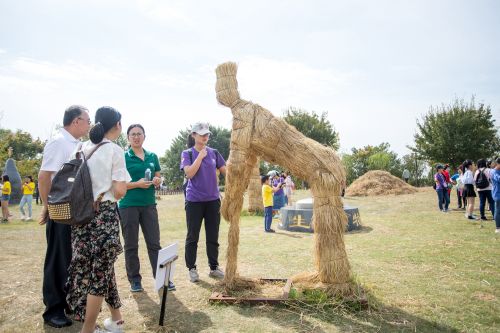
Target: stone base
299, 219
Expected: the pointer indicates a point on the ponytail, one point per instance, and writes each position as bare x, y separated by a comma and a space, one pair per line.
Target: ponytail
96, 134
190, 140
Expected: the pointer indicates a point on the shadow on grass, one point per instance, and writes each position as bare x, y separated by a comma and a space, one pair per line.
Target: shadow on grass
384, 319
362, 230
178, 318
306, 317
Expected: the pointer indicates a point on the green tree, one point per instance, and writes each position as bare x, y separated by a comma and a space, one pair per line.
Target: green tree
455, 132
370, 158
170, 162
312, 125
27, 152
417, 167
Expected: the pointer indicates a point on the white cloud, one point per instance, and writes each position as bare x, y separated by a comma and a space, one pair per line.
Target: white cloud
281, 83
69, 70
160, 11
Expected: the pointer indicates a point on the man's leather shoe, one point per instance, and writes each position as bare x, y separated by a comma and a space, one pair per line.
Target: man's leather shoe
59, 321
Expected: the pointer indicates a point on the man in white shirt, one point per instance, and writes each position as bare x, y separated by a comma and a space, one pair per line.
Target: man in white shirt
76, 123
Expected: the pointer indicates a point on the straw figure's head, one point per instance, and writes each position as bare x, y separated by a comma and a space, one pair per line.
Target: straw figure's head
226, 86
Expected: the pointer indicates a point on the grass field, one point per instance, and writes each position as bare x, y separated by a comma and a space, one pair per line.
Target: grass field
424, 271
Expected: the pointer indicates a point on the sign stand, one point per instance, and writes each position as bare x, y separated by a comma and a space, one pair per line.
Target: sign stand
167, 264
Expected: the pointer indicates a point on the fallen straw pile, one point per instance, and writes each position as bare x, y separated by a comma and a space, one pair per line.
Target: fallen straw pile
257, 133
378, 183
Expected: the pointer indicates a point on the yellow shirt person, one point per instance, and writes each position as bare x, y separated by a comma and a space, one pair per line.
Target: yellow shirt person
267, 200
267, 195
6, 189
28, 188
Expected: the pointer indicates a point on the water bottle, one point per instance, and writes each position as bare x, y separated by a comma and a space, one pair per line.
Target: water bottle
147, 174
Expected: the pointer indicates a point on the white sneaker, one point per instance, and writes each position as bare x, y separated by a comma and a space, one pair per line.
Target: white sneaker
497, 231
23, 218
100, 330
114, 326
193, 275
216, 273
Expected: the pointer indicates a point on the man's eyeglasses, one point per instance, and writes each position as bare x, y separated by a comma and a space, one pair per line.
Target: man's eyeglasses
88, 120
138, 135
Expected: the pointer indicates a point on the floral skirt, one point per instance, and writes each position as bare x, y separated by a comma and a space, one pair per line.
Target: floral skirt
95, 246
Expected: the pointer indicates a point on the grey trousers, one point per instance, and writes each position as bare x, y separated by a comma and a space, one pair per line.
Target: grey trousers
130, 219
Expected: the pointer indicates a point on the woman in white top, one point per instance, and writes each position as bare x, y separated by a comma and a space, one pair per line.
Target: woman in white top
96, 245
288, 189
482, 179
469, 193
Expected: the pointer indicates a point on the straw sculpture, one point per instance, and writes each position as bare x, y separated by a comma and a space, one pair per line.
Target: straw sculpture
256, 133
378, 182
255, 191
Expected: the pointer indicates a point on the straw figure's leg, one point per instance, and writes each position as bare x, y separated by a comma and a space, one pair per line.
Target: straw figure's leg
239, 167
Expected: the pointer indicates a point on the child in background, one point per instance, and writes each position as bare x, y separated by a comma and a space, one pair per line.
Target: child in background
267, 199
6, 190
27, 199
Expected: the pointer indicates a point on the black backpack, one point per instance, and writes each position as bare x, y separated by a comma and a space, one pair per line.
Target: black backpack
481, 180
71, 200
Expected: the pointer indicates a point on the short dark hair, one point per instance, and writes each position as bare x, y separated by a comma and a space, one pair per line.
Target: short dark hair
264, 179
439, 166
497, 160
481, 163
467, 163
134, 126
5, 178
73, 112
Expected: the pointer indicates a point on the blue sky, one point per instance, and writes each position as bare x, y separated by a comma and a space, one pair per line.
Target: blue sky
374, 66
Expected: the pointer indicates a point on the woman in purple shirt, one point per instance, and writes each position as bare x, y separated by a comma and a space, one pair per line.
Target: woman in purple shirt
200, 164
442, 189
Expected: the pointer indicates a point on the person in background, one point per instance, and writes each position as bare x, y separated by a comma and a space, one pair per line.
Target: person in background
200, 164
267, 200
495, 190
96, 245
278, 196
484, 191
36, 195
289, 188
459, 187
449, 184
6, 191
76, 124
441, 189
28, 189
406, 175
138, 207
469, 192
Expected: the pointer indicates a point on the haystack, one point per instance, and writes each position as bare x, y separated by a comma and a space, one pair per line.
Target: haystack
257, 133
378, 183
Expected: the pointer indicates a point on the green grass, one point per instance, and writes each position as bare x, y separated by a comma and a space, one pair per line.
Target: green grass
423, 271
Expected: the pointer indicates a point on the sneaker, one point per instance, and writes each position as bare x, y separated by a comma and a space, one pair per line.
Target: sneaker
484, 218
100, 330
216, 273
23, 218
497, 231
193, 275
171, 286
270, 230
114, 326
136, 286
472, 217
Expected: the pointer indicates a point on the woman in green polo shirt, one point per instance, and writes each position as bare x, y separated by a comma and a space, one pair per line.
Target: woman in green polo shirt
138, 207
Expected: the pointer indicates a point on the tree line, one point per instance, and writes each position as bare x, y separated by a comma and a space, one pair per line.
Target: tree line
445, 134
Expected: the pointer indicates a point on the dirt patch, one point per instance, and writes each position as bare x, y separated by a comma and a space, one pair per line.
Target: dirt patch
378, 183
484, 296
